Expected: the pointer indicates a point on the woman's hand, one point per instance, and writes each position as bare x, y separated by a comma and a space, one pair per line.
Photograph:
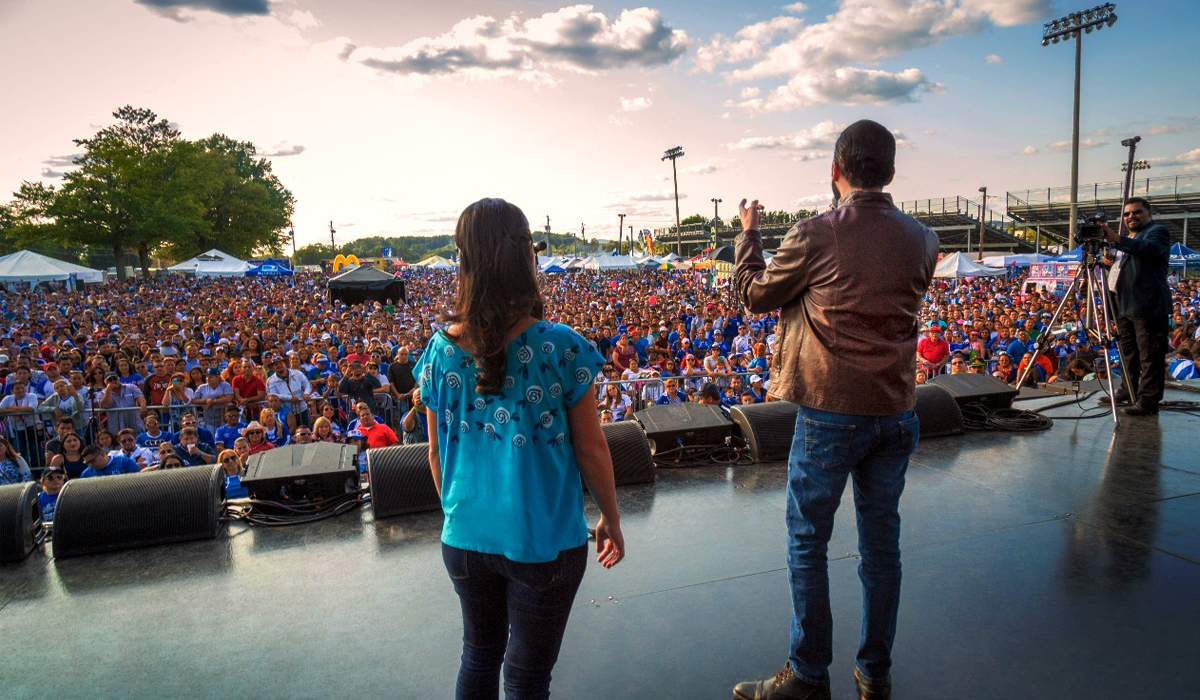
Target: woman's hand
610, 543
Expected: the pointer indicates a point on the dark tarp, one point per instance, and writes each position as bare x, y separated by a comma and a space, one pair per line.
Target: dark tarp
367, 283
724, 254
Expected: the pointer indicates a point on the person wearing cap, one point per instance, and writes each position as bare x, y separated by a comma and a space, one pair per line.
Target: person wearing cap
977, 367
933, 352
230, 430
757, 388
212, 397
120, 400
255, 435
52, 481
1084, 350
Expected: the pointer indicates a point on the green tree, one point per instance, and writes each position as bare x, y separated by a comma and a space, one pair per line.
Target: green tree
25, 222
695, 219
246, 207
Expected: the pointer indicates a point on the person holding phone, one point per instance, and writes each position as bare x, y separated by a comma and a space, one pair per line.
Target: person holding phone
499, 381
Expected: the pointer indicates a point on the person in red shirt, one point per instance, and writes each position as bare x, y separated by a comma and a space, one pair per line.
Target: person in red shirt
157, 384
377, 434
933, 352
249, 389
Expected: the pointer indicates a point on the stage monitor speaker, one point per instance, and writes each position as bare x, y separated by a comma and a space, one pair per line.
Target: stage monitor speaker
630, 450
983, 389
302, 473
104, 513
20, 521
684, 425
401, 482
938, 412
767, 428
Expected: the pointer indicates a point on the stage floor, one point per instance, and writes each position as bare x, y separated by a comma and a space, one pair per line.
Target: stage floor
1060, 564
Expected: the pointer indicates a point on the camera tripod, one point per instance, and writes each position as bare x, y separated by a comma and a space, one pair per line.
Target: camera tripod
1099, 323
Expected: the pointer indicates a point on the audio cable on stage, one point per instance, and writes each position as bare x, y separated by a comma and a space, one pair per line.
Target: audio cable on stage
730, 453
976, 416
276, 513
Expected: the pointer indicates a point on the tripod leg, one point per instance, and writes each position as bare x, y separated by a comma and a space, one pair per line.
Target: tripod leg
1098, 282
1080, 279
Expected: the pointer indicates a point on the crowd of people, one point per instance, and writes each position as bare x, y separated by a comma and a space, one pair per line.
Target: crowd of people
160, 373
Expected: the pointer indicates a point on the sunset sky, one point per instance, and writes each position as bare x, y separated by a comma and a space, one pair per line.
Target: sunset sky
389, 118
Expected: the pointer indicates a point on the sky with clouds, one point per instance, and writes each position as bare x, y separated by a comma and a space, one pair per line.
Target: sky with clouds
389, 118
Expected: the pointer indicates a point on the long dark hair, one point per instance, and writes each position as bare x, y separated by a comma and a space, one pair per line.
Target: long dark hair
497, 284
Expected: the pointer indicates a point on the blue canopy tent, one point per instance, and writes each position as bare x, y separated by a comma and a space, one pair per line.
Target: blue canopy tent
552, 267
270, 268
1070, 256
1182, 256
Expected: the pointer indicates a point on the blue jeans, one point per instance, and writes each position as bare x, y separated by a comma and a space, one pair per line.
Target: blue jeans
826, 449
514, 614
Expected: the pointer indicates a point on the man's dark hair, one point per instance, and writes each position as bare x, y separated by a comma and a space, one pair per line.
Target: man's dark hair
1142, 201
866, 154
93, 451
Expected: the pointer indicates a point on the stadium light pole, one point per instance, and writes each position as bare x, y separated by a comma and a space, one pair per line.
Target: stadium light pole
621, 232
1074, 26
982, 214
672, 154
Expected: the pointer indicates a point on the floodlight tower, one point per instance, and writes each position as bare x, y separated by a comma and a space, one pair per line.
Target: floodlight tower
1074, 26
672, 154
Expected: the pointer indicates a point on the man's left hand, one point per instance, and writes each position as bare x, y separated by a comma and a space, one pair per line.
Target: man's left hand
1110, 234
750, 216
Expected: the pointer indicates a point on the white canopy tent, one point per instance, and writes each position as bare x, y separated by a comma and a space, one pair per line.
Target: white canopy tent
959, 265
1019, 259
31, 267
213, 263
436, 262
610, 262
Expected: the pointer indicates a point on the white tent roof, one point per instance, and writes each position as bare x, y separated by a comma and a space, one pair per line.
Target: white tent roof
1018, 259
28, 266
959, 265
436, 262
610, 262
213, 263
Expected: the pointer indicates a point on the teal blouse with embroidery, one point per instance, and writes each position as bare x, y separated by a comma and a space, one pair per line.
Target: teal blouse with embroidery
510, 480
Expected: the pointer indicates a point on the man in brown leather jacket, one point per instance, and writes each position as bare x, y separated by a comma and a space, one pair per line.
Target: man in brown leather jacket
850, 284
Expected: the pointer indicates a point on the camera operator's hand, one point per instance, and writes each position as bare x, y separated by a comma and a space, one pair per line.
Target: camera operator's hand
1109, 258
1110, 234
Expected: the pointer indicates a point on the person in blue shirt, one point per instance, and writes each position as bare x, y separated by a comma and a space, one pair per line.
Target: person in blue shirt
230, 430
1184, 365
189, 421
500, 382
101, 464
53, 480
1020, 345
672, 394
153, 435
231, 465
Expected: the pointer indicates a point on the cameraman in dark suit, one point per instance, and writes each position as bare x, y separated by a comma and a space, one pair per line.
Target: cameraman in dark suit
1138, 275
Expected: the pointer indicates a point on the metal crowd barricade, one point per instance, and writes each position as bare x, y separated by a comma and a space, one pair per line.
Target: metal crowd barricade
640, 399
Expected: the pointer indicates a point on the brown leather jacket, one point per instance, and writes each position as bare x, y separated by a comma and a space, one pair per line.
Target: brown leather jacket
850, 284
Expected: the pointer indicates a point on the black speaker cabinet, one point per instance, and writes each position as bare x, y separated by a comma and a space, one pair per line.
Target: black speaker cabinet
401, 482
104, 513
20, 520
630, 450
983, 389
684, 425
938, 412
767, 428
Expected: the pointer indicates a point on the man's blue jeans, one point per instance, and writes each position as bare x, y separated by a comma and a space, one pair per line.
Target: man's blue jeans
828, 448
514, 614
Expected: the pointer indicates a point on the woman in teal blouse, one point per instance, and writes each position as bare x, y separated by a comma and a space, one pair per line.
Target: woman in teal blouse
512, 426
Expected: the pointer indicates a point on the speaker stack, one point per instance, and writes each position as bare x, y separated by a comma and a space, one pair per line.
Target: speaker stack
20, 521
767, 428
401, 482
138, 510
938, 412
630, 450
984, 389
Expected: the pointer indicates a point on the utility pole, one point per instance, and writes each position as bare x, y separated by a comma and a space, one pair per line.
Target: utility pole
631, 240
582, 237
548, 235
982, 214
293, 241
620, 232
672, 154
332, 245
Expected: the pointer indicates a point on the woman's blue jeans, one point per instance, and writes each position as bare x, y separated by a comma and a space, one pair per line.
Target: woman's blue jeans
827, 449
514, 615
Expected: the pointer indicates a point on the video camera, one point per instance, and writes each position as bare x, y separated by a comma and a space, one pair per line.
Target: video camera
1089, 233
